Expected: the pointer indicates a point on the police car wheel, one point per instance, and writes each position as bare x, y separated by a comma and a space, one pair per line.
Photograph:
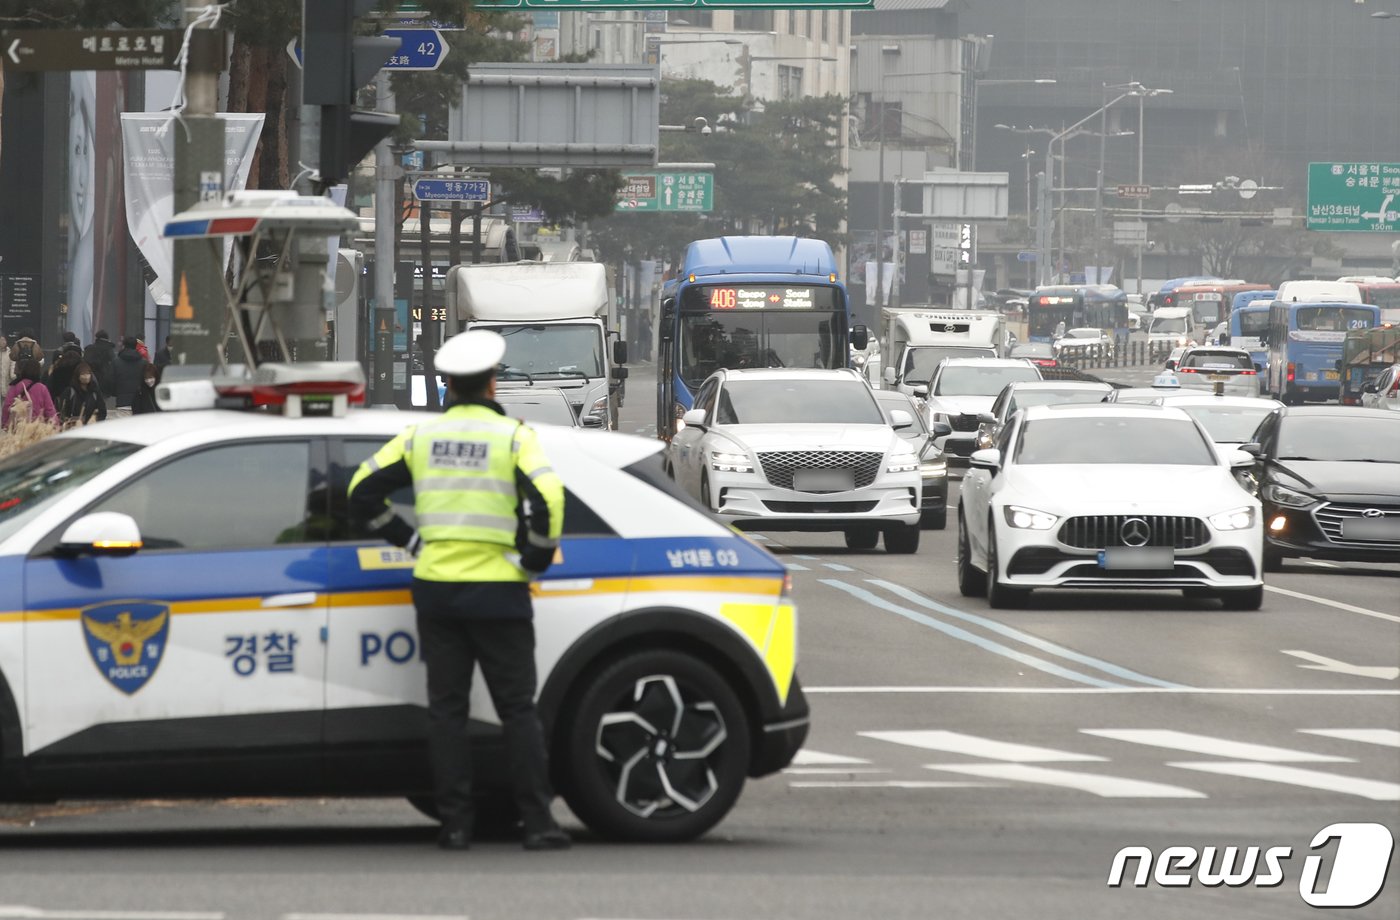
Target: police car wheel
656, 750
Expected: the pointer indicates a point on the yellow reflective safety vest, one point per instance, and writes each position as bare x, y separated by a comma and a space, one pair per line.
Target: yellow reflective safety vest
471, 468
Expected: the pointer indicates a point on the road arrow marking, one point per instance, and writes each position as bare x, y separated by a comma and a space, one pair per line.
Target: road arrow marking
1322, 663
13, 45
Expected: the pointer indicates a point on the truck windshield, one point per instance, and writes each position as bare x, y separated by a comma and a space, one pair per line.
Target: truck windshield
921, 361
553, 350
710, 341
1168, 325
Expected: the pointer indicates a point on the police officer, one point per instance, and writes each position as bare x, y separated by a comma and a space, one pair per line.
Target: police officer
490, 511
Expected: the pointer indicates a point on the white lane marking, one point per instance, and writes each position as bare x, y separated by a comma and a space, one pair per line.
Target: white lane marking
1319, 562
1205, 691
1333, 666
19, 910
807, 558
1215, 747
794, 567
757, 536
886, 784
1009, 632
1374, 790
838, 567
810, 758
1385, 736
973, 746
1336, 604
1108, 787
833, 771
374, 917
957, 632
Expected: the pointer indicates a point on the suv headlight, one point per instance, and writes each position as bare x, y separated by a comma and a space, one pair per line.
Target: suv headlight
933, 467
906, 461
1237, 519
1289, 498
1028, 518
730, 462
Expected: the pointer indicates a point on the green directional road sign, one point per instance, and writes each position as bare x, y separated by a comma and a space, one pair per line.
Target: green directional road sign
667, 191
673, 4
1361, 197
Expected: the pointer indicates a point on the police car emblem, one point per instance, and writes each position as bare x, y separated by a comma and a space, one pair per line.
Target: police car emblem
127, 641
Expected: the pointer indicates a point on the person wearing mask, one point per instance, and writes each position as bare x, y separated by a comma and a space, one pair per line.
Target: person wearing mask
60, 373
34, 399
69, 338
82, 402
164, 356
126, 381
145, 400
490, 511
101, 356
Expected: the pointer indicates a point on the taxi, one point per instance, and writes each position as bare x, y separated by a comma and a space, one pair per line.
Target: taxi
191, 612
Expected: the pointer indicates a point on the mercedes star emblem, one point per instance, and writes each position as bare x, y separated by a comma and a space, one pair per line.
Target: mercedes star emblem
1135, 532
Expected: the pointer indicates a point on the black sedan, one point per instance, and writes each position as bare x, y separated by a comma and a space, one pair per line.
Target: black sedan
1329, 478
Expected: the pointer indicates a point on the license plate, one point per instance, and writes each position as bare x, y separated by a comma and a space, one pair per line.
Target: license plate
1222, 377
823, 480
1385, 530
1137, 558
1332, 375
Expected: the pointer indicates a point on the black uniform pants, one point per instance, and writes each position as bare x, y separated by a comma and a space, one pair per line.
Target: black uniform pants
453, 643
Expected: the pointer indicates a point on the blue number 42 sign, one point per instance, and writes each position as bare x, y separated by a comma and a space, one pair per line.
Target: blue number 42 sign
421, 49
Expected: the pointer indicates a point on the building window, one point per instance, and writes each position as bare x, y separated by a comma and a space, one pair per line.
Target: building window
840, 26
826, 26
753, 20
789, 82
692, 18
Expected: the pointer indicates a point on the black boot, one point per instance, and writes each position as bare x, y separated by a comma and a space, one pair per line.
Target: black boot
455, 837
552, 838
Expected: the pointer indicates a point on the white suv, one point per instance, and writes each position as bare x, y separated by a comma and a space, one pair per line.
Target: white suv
963, 391
806, 450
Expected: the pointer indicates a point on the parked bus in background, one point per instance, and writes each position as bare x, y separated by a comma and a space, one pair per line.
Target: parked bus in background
1101, 306
1305, 347
1383, 292
1210, 303
749, 301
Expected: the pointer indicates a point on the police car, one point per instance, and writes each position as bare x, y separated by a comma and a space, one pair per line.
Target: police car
190, 612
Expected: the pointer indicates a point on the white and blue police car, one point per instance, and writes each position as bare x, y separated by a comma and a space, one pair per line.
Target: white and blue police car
189, 612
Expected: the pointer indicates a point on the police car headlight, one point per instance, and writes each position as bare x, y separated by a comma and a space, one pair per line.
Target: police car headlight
730, 462
1237, 519
1028, 518
903, 462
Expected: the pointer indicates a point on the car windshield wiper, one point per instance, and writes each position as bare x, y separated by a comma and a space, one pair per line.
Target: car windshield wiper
563, 373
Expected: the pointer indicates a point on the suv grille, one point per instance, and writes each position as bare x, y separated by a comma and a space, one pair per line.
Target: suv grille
967, 421
1330, 517
779, 465
1104, 530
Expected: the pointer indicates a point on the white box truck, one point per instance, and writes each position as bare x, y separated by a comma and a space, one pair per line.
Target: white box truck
554, 317
913, 340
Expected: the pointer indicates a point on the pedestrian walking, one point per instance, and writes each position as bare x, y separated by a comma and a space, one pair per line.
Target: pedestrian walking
145, 399
645, 333
82, 402
126, 376
60, 372
27, 347
7, 367
164, 356
27, 398
69, 338
101, 356
490, 511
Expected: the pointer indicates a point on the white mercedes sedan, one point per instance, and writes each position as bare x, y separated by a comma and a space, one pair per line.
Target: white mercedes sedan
1060, 503
805, 450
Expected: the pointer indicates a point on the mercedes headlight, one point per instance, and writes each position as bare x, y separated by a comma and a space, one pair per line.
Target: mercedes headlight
1028, 518
1289, 498
905, 461
1236, 519
730, 462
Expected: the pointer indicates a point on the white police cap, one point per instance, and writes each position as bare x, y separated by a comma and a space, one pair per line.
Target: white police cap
472, 352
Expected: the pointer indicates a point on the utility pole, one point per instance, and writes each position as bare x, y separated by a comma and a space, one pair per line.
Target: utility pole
385, 258
199, 301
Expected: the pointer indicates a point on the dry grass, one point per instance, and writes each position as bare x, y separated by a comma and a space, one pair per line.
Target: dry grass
24, 432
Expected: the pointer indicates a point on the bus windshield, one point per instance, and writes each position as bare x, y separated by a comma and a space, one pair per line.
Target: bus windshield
757, 338
1044, 318
1253, 323
1332, 319
552, 350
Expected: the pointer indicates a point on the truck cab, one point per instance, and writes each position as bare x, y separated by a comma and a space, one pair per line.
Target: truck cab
916, 339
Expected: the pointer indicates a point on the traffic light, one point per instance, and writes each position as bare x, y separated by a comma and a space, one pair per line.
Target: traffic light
335, 64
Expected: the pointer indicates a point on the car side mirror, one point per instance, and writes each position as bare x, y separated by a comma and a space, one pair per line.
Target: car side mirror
860, 337
1240, 460
941, 429
594, 421
891, 376
619, 355
694, 418
989, 460
1371, 387
1254, 449
986, 418
899, 419
921, 390
102, 533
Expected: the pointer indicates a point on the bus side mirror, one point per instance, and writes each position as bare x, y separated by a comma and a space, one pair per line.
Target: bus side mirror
860, 337
619, 355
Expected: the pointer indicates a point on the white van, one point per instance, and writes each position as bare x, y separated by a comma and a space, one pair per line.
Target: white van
1171, 325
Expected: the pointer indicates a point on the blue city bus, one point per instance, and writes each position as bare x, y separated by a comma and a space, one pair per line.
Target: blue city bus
1248, 330
1100, 306
1305, 346
749, 301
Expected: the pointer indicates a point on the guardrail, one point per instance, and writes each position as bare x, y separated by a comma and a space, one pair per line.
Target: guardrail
1133, 354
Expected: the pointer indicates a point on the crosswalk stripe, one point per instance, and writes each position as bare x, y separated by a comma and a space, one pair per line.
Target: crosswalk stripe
1218, 747
806, 757
833, 771
1372, 789
884, 784
1108, 787
973, 746
1386, 736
